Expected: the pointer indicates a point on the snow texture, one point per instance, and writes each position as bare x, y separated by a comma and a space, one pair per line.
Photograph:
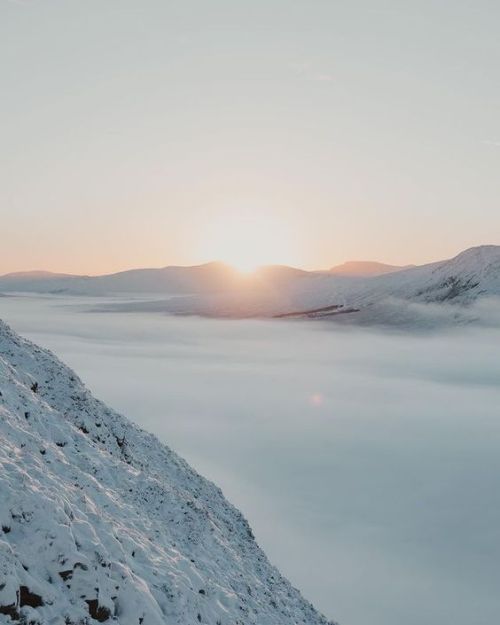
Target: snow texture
100, 522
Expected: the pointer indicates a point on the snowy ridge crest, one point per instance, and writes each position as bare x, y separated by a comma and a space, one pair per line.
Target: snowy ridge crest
100, 522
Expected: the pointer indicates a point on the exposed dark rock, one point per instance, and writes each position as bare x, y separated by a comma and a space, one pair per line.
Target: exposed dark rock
10, 610
98, 612
26, 597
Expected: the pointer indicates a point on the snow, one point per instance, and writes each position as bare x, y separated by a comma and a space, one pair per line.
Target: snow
431, 295
101, 522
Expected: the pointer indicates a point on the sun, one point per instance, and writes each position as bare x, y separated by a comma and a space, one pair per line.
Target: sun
247, 240
245, 266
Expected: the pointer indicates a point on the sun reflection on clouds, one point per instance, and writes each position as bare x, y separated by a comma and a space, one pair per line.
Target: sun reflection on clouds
316, 399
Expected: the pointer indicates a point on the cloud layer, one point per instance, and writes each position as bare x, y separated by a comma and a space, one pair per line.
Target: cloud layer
367, 462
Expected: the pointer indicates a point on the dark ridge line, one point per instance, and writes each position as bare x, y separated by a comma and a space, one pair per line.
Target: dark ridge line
335, 309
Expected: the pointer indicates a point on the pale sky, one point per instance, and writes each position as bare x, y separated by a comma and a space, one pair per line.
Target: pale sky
306, 132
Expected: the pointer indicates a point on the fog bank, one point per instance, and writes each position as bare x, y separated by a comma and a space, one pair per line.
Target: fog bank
367, 462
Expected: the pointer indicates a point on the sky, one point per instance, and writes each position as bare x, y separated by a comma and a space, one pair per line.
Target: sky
376, 487
148, 133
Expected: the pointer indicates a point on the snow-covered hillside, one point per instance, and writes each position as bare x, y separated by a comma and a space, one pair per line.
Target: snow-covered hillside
465, 277
446, 288
101, 522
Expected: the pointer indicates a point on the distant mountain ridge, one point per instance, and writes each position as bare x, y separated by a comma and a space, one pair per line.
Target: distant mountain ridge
35, 274
365, 268
220, 291
171, 280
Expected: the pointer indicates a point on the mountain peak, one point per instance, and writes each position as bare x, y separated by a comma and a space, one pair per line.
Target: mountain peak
34, 274
364, 268
483, 253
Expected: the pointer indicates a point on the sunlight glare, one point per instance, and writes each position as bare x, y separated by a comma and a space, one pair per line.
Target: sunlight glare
247, 240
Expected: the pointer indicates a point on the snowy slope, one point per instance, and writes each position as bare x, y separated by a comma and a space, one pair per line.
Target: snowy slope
462, 279
101, 522
465, 277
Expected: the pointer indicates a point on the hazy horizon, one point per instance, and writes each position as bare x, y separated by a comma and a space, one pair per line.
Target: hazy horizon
42, 270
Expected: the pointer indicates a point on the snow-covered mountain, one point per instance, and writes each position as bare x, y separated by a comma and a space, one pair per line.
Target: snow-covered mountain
219, 291
440, 292
401, 297
101, 522
461, 280
200, 279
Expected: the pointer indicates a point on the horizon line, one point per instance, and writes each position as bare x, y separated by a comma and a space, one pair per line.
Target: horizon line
63, 274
